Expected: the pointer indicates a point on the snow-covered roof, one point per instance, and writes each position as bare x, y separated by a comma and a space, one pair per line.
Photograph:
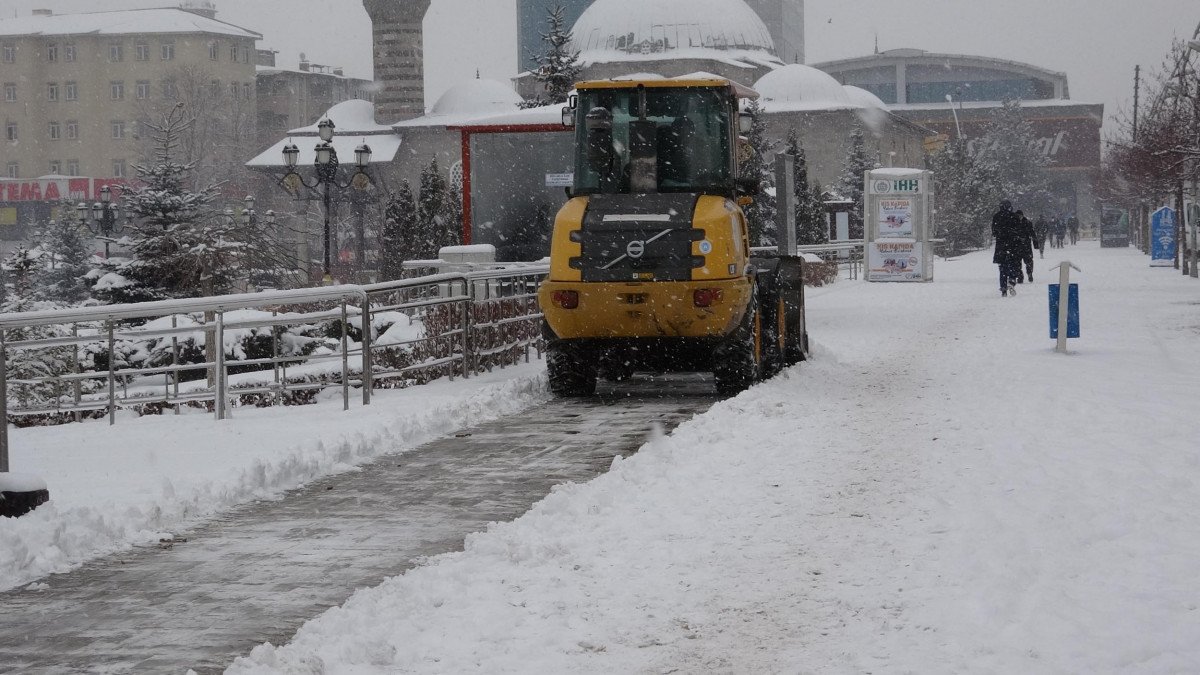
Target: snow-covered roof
355, 116
354, 122
547, 114
972, 105
123, 22
467, 101
653, 30
796, 87
864, 97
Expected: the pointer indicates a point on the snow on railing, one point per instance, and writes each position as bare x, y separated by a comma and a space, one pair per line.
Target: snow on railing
275, 346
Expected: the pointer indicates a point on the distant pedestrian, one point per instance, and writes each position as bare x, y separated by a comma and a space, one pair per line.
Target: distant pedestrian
1073, 228
1060, 231
1006, 230
1041, 229
1026, 248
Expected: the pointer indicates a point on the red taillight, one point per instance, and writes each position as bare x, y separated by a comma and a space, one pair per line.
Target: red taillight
705, 297
566, 299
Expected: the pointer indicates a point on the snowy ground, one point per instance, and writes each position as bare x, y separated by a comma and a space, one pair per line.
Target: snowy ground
937, 491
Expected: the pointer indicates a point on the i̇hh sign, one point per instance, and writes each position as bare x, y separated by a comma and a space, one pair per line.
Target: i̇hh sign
1162, 237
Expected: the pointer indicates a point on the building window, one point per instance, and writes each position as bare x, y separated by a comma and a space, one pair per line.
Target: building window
245, 55
14, 170
214, 51
168, 51
233, 53
55, 167
247, 90
52, 52
143, 90
72, 91
143, 51
118, 129
233, 90
72, 130
10, 92
169, 90
10, 131
69, 53
215, 87
118, 168
116, 53
10, 53
55, 131
116, 91
52, 91
72, 167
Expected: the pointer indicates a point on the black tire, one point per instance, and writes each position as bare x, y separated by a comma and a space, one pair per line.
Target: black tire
571, 369
613, 368
17, 504
735, 366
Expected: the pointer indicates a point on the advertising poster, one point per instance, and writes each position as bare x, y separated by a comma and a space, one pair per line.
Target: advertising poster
895, 218
1162, 238
894, 261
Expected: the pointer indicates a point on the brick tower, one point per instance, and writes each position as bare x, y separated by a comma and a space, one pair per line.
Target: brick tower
399, 58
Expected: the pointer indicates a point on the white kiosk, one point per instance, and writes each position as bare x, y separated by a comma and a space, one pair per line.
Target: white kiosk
897, 224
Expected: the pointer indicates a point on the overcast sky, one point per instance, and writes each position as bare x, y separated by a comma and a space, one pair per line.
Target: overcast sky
1096, 42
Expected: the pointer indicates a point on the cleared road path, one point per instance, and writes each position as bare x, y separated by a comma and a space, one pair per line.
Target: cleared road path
258, 573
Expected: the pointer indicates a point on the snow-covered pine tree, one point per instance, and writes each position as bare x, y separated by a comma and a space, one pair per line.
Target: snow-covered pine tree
432, 232
19, 273
558, 67
1009, 151
850, 184
967, 194
454, 209
399, 233
810, 212
760, 214
66, 260
181, 249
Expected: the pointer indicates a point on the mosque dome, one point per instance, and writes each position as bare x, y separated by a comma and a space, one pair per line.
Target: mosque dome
477, 97
864, 97
634, 30
800, 87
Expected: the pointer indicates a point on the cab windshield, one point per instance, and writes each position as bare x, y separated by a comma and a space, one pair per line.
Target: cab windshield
686, 131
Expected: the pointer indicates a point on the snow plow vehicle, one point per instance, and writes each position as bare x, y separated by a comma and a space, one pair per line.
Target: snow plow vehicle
650, 260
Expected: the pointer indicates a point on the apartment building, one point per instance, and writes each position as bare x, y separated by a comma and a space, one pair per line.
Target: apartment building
77, 88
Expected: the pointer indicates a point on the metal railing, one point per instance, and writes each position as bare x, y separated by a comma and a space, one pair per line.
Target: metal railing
146, 355
849, 254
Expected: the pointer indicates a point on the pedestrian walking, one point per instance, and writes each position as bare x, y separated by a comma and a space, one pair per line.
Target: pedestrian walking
1026, 248
1073, 228
1041, 229
1060, 231
1006, 230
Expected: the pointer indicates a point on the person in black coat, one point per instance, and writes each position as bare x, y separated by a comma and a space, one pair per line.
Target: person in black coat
1007, 230
1028, 237
1040, 231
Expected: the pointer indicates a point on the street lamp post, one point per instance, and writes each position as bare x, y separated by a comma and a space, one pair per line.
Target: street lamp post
957, 125
105, 218
325, 175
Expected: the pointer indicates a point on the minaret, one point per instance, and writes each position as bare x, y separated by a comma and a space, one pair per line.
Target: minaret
399, 58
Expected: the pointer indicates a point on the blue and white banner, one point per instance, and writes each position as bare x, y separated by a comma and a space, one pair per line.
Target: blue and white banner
1162, 238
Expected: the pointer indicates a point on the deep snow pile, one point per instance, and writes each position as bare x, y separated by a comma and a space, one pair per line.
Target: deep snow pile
937, 491
112, 487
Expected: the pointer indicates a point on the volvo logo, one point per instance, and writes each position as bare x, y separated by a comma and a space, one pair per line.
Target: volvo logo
635, 249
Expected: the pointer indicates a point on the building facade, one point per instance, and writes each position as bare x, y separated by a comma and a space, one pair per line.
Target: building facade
915, 84
785, 20
76, 88
289, 98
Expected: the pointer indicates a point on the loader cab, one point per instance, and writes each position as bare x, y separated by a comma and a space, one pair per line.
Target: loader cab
656, 137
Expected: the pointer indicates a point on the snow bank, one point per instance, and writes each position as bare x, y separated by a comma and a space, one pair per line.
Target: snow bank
113, 487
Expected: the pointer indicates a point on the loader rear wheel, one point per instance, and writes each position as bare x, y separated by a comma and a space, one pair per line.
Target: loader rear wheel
571, 369
736, 362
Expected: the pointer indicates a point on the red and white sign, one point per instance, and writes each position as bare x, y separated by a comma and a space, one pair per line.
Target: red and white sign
57, 189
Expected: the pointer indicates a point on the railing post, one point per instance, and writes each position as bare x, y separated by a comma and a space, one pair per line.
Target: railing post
220, 375
468, 336
112, 380
175, 364
345, 360
77, 387
368, 380
3, 404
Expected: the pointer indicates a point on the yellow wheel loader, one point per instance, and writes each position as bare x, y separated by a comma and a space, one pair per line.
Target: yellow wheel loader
651, 267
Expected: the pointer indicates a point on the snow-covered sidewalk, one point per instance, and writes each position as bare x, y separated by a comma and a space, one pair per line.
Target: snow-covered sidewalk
936, 491
113, 487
